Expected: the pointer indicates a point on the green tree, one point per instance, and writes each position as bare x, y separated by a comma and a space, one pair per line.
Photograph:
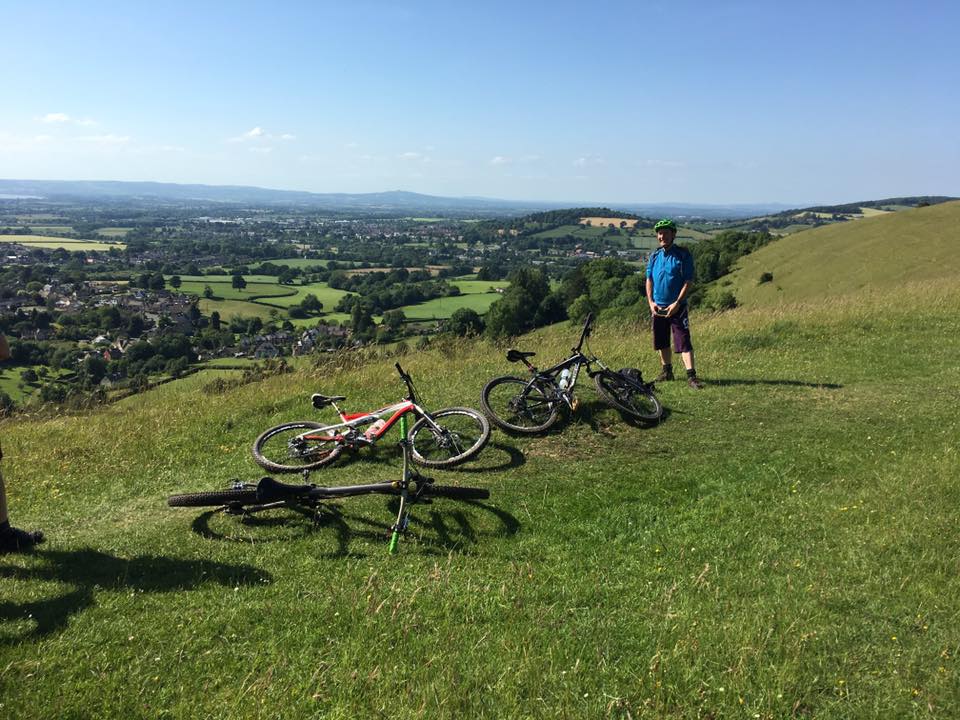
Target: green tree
464, 322
394, 319
238, 282
175, 282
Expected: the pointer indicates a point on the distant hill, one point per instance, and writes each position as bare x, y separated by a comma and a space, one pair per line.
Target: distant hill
876, 252
397, 201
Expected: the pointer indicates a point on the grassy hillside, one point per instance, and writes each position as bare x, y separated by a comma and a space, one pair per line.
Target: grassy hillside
879, 252
783, 545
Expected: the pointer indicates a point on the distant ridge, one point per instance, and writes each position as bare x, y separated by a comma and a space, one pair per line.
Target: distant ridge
879, 253
395, 201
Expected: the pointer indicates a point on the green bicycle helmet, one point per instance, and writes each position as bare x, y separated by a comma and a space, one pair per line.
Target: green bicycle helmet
665, 224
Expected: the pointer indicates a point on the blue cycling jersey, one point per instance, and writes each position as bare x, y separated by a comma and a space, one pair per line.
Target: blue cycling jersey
669, 270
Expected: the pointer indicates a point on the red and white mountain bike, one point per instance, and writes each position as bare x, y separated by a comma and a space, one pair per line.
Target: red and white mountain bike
437, 439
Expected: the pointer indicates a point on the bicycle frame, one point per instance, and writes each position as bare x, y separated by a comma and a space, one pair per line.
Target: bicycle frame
577, 360
350, 422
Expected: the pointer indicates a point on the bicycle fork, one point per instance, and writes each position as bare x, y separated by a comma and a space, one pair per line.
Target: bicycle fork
403, 516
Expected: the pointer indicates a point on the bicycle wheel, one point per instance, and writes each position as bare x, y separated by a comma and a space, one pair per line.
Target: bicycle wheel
626, 397
463, 433
515, 405
459, 493
239, 496
279, 449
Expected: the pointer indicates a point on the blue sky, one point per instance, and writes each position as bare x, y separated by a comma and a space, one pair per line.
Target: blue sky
702, 102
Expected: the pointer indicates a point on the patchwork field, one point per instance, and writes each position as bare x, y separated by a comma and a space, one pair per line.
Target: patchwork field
54, 243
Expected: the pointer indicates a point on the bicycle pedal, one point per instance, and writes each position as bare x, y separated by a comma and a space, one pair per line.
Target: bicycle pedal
574, 404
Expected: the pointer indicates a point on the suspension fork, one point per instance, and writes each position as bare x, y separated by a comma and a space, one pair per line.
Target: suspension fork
403, 515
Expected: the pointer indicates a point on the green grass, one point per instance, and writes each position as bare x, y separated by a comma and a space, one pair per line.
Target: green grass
783, 545
440, 308
829, 262
478, 286
327, 295
113, 231
293, 263
54, 243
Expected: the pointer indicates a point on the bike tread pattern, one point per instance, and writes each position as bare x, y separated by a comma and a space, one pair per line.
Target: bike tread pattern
540, 389
621, 392
278, 467
422, 426
216, 498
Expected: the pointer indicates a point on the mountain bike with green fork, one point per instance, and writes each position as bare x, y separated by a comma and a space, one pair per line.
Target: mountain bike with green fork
269, 494
533, 405
440, 439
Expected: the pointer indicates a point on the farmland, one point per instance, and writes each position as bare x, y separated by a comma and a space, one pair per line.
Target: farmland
58, 243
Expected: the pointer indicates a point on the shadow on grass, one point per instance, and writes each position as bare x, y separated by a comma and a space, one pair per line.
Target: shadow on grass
723, 382
440, 524
92, 571
495, 457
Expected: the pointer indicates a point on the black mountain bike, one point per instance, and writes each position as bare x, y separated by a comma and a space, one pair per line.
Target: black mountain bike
533, 405
269, 494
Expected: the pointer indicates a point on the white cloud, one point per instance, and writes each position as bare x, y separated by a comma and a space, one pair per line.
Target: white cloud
64, 119
261, 137
501, 160
588, 161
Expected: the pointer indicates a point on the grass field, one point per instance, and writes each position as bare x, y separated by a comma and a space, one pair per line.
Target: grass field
52, 228
782, 545
293, 263
845, 258
53, 243
113, 231
441, 308
476, 296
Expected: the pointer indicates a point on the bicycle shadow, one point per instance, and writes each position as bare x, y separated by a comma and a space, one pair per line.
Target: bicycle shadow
495, 457
91, 572
442, 531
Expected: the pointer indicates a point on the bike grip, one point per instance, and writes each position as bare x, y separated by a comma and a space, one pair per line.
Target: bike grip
394, 540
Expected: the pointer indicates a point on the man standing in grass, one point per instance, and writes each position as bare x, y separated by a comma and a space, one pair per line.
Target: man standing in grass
669, 279
12, 539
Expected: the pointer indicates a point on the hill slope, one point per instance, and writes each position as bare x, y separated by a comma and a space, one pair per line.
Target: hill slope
782, 545
880, 252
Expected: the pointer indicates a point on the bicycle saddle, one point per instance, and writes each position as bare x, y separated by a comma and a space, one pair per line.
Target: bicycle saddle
518, 355
321, 401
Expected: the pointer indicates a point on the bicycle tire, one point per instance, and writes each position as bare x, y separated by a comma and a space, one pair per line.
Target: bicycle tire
449, 449
626, 397
216, 498
459, 493
313, 458
532, 406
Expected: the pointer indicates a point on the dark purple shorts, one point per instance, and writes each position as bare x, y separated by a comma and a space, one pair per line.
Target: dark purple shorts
680, 325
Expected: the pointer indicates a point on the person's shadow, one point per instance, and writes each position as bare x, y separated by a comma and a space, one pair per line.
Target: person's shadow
91, 571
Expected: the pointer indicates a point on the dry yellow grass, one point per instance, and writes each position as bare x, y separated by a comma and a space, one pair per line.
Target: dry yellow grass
608, 221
